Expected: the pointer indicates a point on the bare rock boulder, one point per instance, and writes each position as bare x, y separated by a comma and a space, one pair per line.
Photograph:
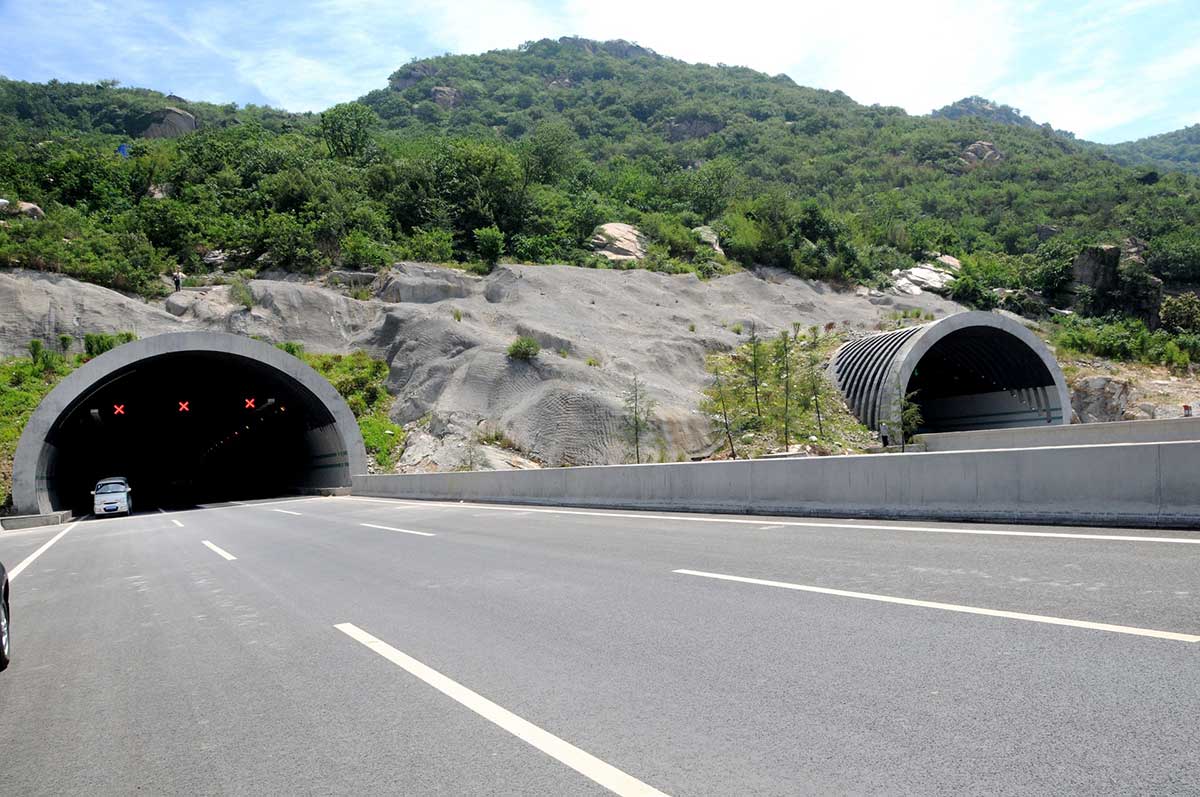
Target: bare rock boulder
27, 209
169, 122
445, 96
979, 153
619, 242
709, 236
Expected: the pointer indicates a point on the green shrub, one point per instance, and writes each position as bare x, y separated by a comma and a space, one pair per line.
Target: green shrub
240, 293
457, 314
360, 252
593, 362
430, 246
489, 244
524, 348
1181, 313
96, 343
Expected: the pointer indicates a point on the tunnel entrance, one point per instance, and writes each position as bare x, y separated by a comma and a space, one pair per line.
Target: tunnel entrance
982, 378
187, 418
968, 371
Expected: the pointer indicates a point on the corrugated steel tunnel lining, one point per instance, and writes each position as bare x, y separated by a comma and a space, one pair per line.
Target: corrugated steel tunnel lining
969, 371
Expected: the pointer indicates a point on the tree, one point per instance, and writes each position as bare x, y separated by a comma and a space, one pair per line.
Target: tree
639, 409
910, 417
346, 128
754, 368
782, 360
719, 404
812, 364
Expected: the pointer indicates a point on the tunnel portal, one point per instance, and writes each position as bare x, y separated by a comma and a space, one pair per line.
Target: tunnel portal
187, 418
968, 371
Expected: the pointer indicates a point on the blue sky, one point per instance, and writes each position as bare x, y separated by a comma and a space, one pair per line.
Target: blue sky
1108, 70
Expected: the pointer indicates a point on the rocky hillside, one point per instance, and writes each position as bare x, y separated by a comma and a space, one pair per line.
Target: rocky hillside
444, 334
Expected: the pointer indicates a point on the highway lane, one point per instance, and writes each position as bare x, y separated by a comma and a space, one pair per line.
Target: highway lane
146, 659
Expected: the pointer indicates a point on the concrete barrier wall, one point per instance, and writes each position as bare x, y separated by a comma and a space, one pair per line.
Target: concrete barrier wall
1079, 434
1153, 484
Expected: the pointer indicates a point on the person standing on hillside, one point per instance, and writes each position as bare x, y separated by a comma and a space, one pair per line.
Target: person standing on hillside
178, 277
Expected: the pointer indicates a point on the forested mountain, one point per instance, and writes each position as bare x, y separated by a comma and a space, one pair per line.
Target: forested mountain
521, 153
1178, 150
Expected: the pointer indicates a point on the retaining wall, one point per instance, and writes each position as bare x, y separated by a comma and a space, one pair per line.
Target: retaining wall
1079, 434
1150, 485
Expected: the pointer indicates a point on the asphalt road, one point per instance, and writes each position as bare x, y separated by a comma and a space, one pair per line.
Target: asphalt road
505, 650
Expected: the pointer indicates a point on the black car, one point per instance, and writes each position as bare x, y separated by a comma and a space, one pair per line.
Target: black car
5, 633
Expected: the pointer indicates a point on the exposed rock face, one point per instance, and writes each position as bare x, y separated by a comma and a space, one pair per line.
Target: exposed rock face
411, 75
158, 191
414, 282
447, 355
1117, 278
1096, 268
979, 153
619, 242
692, 127
949, 262
445, 96
168, 122
1047, 231
709, 236
1100, 399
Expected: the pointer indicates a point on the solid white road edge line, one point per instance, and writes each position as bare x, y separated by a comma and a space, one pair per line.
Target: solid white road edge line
795, 523
584, 763
16, 571
218, 551
176, 522
952, 607
402, 531
285, 511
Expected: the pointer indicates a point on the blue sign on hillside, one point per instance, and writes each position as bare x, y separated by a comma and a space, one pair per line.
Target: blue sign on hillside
123, 150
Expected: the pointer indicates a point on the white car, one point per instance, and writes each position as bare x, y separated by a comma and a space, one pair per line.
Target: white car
111, 497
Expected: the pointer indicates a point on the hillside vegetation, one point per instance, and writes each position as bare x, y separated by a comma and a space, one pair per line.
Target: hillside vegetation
520, 154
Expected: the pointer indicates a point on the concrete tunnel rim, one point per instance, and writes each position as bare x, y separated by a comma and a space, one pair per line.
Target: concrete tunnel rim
31, 498
903, 362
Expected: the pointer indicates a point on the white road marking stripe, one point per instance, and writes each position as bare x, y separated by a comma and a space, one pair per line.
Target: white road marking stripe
285, 511
16, 571
952, 607
160, 509
582, 762
219, 551
176, 522
402, 531
792, 523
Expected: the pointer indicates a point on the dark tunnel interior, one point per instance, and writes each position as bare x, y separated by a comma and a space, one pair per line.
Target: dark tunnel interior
982, 378
185, 429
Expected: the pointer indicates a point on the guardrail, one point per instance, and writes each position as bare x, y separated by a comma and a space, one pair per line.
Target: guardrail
1140, 484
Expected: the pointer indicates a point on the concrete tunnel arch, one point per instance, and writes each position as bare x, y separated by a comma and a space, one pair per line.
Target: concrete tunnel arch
298, 435
971, 370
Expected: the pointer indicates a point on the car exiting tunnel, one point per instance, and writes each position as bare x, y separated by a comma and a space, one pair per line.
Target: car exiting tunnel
187, 417
968, 371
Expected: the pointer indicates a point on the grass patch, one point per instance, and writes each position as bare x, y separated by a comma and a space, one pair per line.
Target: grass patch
359, 379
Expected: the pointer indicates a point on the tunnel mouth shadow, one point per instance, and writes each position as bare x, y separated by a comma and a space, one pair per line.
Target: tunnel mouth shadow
187, 418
